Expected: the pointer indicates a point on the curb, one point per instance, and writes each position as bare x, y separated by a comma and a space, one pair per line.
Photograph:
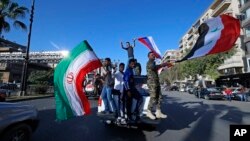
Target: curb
28, 98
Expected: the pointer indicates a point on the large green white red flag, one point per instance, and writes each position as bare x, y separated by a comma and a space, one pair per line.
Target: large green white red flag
68, 81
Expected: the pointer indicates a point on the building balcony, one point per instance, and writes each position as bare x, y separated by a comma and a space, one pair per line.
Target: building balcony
244, 7
220, 7
234, 62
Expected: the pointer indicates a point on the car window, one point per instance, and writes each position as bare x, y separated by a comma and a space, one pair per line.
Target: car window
213, 90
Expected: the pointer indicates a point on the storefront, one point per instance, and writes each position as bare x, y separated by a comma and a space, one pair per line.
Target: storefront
234, 80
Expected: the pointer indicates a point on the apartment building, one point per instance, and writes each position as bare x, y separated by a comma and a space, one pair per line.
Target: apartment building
233, 65
245, 23
171, 55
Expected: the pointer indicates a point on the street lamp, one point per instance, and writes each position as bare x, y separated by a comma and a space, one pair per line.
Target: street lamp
26, 58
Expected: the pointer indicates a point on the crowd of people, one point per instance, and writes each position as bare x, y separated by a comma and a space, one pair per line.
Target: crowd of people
230, 93
241, 93
120, 85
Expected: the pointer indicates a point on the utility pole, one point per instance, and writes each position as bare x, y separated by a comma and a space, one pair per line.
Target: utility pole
26, 58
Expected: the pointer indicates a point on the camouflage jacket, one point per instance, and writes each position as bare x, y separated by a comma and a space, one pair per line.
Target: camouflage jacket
153, 78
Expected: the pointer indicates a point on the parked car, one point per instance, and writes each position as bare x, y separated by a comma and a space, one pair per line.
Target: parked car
219, 88
174, 88
211, 93
17, 122
9, 86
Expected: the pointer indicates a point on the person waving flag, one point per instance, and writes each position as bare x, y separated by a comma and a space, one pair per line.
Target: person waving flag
217, 35
68, 81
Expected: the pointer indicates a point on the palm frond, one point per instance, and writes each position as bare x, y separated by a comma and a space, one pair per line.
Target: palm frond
12, 7
19, 24
4, 4
6, 26
19, 13
11, 12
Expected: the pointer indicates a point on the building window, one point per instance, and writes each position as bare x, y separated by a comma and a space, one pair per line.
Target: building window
247, 13
247, 31
248, 62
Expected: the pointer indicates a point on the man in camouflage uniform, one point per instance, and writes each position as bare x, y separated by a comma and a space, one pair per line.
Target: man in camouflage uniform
154, 87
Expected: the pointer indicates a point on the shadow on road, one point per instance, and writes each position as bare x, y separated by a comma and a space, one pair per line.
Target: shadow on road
200, 117
82, 128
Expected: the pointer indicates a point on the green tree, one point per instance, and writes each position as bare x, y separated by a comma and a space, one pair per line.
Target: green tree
172, 74
206, 65
41, 77
11, 12
40, 80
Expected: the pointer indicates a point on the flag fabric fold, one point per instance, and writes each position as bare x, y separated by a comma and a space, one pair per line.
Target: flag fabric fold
150, 44
216, 35
69, 75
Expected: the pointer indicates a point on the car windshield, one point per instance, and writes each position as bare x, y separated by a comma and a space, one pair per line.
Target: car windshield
213, 90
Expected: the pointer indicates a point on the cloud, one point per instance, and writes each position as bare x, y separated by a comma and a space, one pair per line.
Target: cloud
54, 45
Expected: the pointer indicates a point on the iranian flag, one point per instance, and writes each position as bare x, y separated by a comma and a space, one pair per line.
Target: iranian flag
216, 35
68, 81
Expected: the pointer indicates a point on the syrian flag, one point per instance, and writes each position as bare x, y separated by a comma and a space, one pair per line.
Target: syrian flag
216, 35
68, 79
150, 44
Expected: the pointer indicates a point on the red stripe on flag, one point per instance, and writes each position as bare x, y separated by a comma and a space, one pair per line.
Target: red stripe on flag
229, 35
94, 64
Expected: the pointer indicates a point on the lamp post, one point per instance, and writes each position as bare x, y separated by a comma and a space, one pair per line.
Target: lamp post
26, 58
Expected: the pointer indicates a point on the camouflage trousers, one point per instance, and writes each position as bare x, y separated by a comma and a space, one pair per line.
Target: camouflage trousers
155, 96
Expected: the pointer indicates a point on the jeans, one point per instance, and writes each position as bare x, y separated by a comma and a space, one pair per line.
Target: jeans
136, 99
228, 97
120, 103
243, 97
108, 99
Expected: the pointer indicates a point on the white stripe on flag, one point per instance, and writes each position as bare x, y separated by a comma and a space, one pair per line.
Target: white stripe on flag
211, 38
70, 89
154, 45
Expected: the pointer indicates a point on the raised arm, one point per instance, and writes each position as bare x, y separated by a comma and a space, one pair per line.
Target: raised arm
123, 46
134, 42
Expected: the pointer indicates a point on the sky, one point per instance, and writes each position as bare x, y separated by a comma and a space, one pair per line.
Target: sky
62, 24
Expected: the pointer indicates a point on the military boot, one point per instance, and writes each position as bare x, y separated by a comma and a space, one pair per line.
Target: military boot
150, 115
159, 114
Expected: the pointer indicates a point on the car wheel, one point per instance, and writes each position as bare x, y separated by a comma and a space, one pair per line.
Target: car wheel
19, 132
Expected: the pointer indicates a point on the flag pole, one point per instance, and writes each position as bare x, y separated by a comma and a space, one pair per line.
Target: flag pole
26, 58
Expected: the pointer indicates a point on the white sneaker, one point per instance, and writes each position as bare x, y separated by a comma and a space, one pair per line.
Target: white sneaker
150, 115
123, 121
159, 114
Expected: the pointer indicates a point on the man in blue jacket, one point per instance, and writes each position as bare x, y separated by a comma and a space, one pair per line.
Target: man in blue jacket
130, 90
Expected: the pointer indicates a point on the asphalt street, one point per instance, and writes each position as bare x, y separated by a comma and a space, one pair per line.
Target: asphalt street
189, 119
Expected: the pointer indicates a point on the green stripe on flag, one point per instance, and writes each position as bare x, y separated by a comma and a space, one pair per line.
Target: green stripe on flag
63, 108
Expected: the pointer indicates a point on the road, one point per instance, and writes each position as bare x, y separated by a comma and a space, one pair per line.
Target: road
189, 119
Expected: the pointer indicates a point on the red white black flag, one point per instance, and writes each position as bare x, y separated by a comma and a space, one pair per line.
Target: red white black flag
216, 35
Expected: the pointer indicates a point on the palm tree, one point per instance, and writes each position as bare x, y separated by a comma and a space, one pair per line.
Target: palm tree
11, 12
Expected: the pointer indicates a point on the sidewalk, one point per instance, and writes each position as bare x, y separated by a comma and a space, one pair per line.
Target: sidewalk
28, 97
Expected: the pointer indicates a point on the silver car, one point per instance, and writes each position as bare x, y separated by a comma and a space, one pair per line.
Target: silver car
17, 122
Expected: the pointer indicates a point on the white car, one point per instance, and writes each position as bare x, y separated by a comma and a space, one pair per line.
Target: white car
17, 122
